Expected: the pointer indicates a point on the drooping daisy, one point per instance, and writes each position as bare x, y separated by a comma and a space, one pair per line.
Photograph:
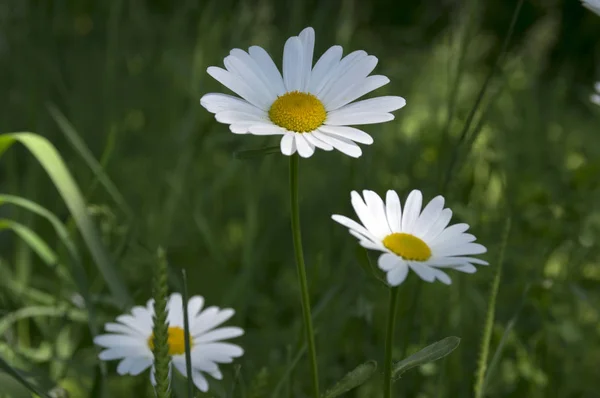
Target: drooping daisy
592, 5
595, 97
410, 238
310, 106
131, 339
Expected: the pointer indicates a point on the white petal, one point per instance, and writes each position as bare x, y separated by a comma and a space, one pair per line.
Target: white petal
452, 262
425, 272
595, 98
438, 226
430, 214
375, 105
195, 304
442, 276
292, 64
265, 62
220, 352
368, 218
353, 225
232, 117
393, 210
200, 381
134, 324
120, 328
389, 261
241, 128
350, 133
118, 340
462, 250
209, 319
449, 233
215, 103
266, 128
398, 275
467, 268
288, 144
219, 334
377, 208
259, 72
242, 65
125, 365
412, 208
175, 310
238, 86
334, 74
597, 86
356, 72
140, 365
458, 240
356, 91
317, 142
341, 144
122, 352
349, 119
305, 149
307, 37
328, 61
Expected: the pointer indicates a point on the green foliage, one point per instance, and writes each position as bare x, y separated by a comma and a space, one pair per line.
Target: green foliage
356, 377
125, 78
431, 353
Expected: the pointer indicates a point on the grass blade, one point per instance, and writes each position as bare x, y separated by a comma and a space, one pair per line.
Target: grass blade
489, 321
80, 147
49, 158
288, 371
433, 352
5, 367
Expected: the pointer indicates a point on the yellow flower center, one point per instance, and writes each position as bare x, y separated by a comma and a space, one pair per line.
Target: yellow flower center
299, 112
407, 246
176, 341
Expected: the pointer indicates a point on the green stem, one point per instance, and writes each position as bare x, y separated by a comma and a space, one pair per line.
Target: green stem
297, 237
389, 343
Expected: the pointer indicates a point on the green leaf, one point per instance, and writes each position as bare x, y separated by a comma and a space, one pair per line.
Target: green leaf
256, 153
72, 314
5, 367
53, 164
63, 234
428, 354
353, 379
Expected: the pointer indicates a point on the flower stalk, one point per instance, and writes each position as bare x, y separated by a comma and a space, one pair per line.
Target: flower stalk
161, 328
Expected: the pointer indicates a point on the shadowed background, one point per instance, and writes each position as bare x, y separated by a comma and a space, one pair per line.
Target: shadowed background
124, 78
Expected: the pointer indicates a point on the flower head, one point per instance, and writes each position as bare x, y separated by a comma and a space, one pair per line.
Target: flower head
131, 339
410, 238
311, 106
592, 5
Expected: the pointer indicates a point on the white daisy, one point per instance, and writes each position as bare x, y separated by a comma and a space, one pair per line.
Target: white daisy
595, 98
592, 5
131, 339
421, 241
310, 106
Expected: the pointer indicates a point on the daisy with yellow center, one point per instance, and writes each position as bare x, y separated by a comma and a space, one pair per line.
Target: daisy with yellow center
410, 238
311, 106
131, 340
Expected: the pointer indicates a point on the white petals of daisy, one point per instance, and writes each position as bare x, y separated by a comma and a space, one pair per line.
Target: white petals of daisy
311, 107
410, 238
592, 5
130, 339
595, 98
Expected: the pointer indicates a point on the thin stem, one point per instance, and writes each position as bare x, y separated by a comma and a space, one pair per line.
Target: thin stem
305, 299
389, 343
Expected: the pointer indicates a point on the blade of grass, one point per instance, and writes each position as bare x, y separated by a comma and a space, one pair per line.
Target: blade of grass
48, 157
480, 95
288, 371
478, 388
81, 148
17, 376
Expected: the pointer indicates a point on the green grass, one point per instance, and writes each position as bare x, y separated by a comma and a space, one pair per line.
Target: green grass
115, 87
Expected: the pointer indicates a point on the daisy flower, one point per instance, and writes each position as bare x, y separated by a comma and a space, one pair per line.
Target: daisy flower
410, 238
311, 107
131, 339
595, 98
592, 5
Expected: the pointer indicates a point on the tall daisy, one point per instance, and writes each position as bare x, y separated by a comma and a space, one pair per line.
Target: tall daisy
592, 5
131, 340
411, 239
310, 106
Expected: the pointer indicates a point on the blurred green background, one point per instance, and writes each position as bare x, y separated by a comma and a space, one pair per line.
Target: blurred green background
125, 78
